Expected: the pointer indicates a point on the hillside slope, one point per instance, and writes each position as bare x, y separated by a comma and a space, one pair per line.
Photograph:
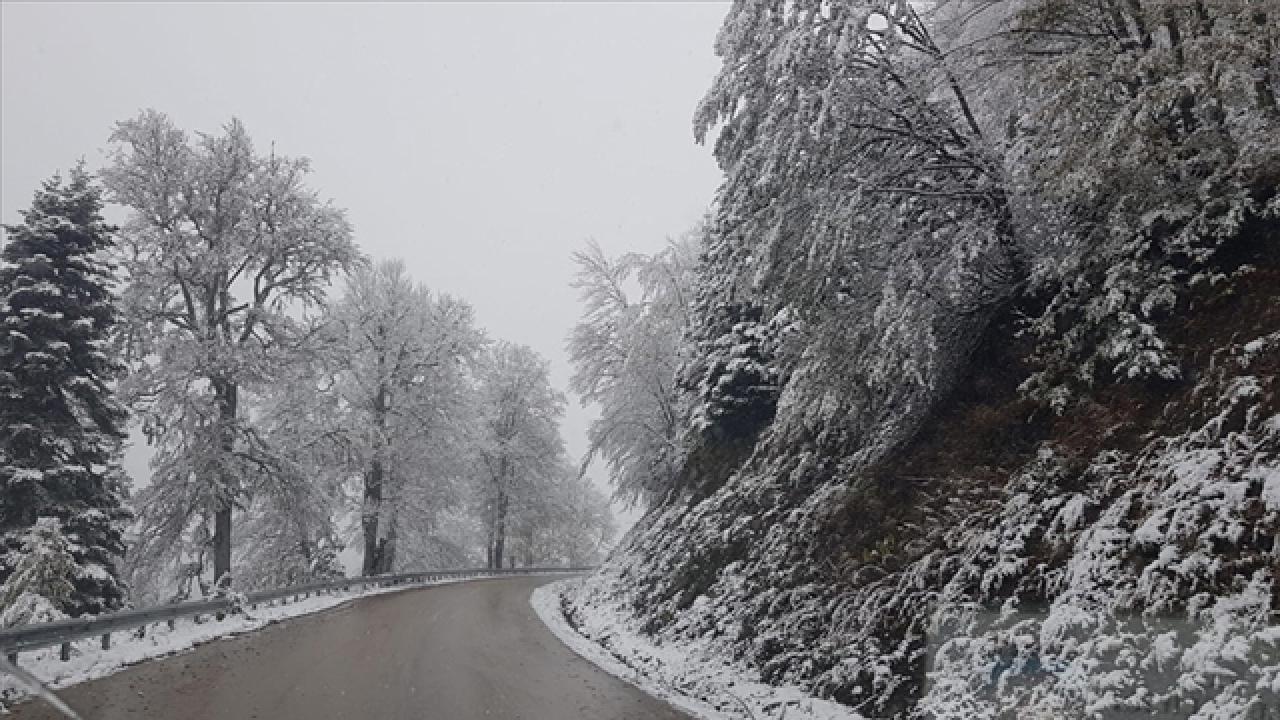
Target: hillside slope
979, 427
1120, 558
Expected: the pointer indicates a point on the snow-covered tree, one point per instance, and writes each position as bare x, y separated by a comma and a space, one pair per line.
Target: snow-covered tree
559, 519
584, 529
60, 425
291, 530
518, 442
222, 248
625, 354
40, 583
865, 210
399, 356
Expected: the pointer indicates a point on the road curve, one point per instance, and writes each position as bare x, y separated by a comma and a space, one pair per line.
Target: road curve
453, 652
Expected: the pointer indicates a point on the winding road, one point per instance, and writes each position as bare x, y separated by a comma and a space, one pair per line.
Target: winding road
452, 652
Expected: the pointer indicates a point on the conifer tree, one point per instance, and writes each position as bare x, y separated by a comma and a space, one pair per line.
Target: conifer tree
60, 426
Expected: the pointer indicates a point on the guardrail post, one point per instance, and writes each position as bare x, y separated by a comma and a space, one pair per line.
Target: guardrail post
106, 641
65, 653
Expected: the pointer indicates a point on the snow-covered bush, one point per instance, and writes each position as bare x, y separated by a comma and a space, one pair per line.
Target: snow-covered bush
39, 585
735, 383
1155, 140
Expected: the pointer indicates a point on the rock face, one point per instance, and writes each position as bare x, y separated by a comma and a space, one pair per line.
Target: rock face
1117, 560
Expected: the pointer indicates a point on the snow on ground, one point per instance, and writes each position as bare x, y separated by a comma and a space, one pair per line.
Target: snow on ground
89, 661
688, 677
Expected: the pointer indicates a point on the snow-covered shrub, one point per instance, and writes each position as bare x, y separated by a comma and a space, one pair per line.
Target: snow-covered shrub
736, 384
39, 585
1157, 144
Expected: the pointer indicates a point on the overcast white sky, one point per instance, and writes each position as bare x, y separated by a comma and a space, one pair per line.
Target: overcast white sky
480, 142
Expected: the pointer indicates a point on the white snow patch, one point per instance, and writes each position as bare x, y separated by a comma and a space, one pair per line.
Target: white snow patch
688, 677
89, 662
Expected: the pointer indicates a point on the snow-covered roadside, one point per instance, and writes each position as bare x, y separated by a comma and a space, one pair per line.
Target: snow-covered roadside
89, 661
688, 677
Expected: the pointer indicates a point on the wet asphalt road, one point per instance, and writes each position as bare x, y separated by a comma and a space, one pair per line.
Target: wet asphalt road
454, 652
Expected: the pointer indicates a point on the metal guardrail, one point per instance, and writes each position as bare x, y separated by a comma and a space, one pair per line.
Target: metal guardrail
64, 632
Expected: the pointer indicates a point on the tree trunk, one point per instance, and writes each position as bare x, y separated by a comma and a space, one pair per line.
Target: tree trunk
373, 487
528, 546
491, 517
500, 530
228, 399
369, 517
387, 552
222, 546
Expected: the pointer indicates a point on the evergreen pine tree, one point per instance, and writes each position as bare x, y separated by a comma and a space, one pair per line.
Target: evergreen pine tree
60, 425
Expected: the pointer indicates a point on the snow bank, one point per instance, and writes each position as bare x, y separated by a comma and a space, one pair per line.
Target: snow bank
688, 676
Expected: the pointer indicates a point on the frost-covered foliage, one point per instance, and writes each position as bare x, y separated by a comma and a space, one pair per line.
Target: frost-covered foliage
60, 423
1083, 197
223, 247
1130, 581
395, 367
1150, 130
625, 356
40, 583
734, 380
1137, 583
729, 381
560, 520
519, 448
864, 204
392, 428
291, 527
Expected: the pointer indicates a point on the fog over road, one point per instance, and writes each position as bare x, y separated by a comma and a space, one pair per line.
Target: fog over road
453, 652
